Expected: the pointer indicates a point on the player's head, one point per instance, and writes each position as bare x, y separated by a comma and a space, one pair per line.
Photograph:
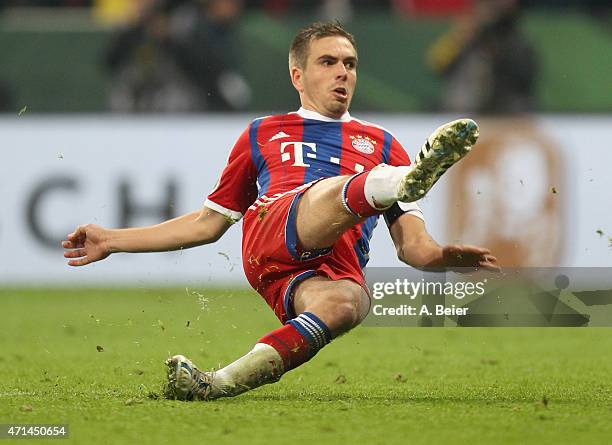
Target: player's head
323, 67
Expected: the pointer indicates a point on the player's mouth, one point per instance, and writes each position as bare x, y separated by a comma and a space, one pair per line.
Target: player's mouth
341, 94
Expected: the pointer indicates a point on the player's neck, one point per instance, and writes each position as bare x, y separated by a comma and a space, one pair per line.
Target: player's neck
308, 113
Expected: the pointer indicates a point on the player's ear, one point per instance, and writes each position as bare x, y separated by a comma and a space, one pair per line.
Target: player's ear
297, 77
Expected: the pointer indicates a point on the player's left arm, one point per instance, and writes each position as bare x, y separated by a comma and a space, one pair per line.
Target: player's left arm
418, 249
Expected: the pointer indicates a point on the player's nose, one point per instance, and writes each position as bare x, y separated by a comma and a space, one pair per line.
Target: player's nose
341, 71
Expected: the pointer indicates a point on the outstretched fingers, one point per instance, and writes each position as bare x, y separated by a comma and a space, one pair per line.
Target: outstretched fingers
75, 241
78, 257
72, 245
471, 258
76, 238
76, 253
489, 262
79, 262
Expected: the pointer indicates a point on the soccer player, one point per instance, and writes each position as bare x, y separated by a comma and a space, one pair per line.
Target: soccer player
309, 187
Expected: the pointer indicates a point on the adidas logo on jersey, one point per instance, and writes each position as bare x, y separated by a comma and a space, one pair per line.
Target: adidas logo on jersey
279, 135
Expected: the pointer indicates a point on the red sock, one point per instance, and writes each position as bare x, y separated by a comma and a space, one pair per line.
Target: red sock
291, 346
354, 199
299, 340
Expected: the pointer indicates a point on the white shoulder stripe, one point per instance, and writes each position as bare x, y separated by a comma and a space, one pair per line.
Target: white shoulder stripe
261, 118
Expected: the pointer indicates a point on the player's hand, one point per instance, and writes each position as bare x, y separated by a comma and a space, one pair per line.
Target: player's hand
467, 258
87, 244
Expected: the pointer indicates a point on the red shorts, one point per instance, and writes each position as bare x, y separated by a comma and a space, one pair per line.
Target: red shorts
273, 261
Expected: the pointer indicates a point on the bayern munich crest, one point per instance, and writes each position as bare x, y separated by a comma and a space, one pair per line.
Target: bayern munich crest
363, 144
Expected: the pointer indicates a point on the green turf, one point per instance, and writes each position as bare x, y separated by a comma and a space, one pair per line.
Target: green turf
374, 386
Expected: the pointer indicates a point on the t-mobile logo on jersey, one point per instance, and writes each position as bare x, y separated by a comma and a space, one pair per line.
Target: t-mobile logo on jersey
299, 153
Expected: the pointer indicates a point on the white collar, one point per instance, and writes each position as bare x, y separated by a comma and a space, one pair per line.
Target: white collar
309, 114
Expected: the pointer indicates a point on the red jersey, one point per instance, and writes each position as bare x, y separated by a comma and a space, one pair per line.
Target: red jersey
276, 154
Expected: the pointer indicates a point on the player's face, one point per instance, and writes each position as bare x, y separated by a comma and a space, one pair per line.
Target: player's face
327, 83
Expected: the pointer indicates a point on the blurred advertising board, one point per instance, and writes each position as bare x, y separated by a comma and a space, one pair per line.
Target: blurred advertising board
537, 191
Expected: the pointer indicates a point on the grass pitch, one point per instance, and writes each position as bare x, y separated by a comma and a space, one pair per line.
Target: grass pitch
94, 359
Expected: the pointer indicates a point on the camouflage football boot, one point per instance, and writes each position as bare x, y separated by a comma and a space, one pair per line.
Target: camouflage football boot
446, 146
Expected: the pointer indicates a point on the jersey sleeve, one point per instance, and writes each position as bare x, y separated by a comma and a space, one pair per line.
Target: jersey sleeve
398, 157
236, 190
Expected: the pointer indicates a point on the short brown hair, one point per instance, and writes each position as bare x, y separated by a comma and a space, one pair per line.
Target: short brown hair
298, 52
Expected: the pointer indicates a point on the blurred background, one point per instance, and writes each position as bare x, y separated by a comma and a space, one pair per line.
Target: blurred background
217, 55
122, 112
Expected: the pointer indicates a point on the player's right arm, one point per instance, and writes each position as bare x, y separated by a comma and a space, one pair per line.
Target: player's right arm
234, 193
90, 243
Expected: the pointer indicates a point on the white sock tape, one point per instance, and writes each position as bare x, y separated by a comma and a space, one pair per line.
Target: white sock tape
382, 183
